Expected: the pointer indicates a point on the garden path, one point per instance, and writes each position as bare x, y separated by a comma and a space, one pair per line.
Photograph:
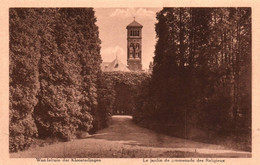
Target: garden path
124, 139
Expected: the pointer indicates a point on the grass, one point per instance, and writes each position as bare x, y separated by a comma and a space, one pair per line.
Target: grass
45, 142
238, 141
124, 139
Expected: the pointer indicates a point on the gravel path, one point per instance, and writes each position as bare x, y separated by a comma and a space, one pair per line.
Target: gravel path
124, 139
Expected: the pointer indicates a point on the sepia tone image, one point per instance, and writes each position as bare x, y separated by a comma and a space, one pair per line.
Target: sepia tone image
130, 82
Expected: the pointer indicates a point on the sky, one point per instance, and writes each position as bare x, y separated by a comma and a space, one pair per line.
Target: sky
112, 24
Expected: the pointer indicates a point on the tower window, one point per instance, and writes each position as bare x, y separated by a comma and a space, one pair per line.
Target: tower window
134, 33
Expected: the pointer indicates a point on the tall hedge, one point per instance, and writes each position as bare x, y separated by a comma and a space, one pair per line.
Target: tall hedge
118, 93
24, 77
54, 66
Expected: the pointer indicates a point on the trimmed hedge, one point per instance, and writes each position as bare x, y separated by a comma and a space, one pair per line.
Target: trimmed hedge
117, 94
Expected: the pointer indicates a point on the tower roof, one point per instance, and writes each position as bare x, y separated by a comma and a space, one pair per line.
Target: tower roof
134, 24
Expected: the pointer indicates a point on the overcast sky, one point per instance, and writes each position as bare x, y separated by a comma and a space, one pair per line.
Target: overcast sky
112, 24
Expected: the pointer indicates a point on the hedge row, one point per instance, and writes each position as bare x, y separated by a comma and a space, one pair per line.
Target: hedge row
118, 93
54, 65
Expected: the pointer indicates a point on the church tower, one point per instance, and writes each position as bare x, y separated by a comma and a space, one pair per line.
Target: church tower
134, 46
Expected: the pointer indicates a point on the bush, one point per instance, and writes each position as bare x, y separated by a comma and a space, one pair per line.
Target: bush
22, 133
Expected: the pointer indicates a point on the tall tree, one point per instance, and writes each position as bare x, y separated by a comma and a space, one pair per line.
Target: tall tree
69, 72
24, 74
202, 68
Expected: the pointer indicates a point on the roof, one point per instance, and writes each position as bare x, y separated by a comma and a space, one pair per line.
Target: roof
116, 65
104, 65
134, 24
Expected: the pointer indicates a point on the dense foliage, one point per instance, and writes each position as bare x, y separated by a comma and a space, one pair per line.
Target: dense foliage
54, 65
68, 94
24, 77
118, 94
202, 72
201, 76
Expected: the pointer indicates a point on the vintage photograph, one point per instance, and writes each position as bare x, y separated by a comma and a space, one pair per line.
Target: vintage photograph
166, 82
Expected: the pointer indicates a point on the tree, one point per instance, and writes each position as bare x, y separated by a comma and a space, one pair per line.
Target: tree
69, 67
202, 68
24, 74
